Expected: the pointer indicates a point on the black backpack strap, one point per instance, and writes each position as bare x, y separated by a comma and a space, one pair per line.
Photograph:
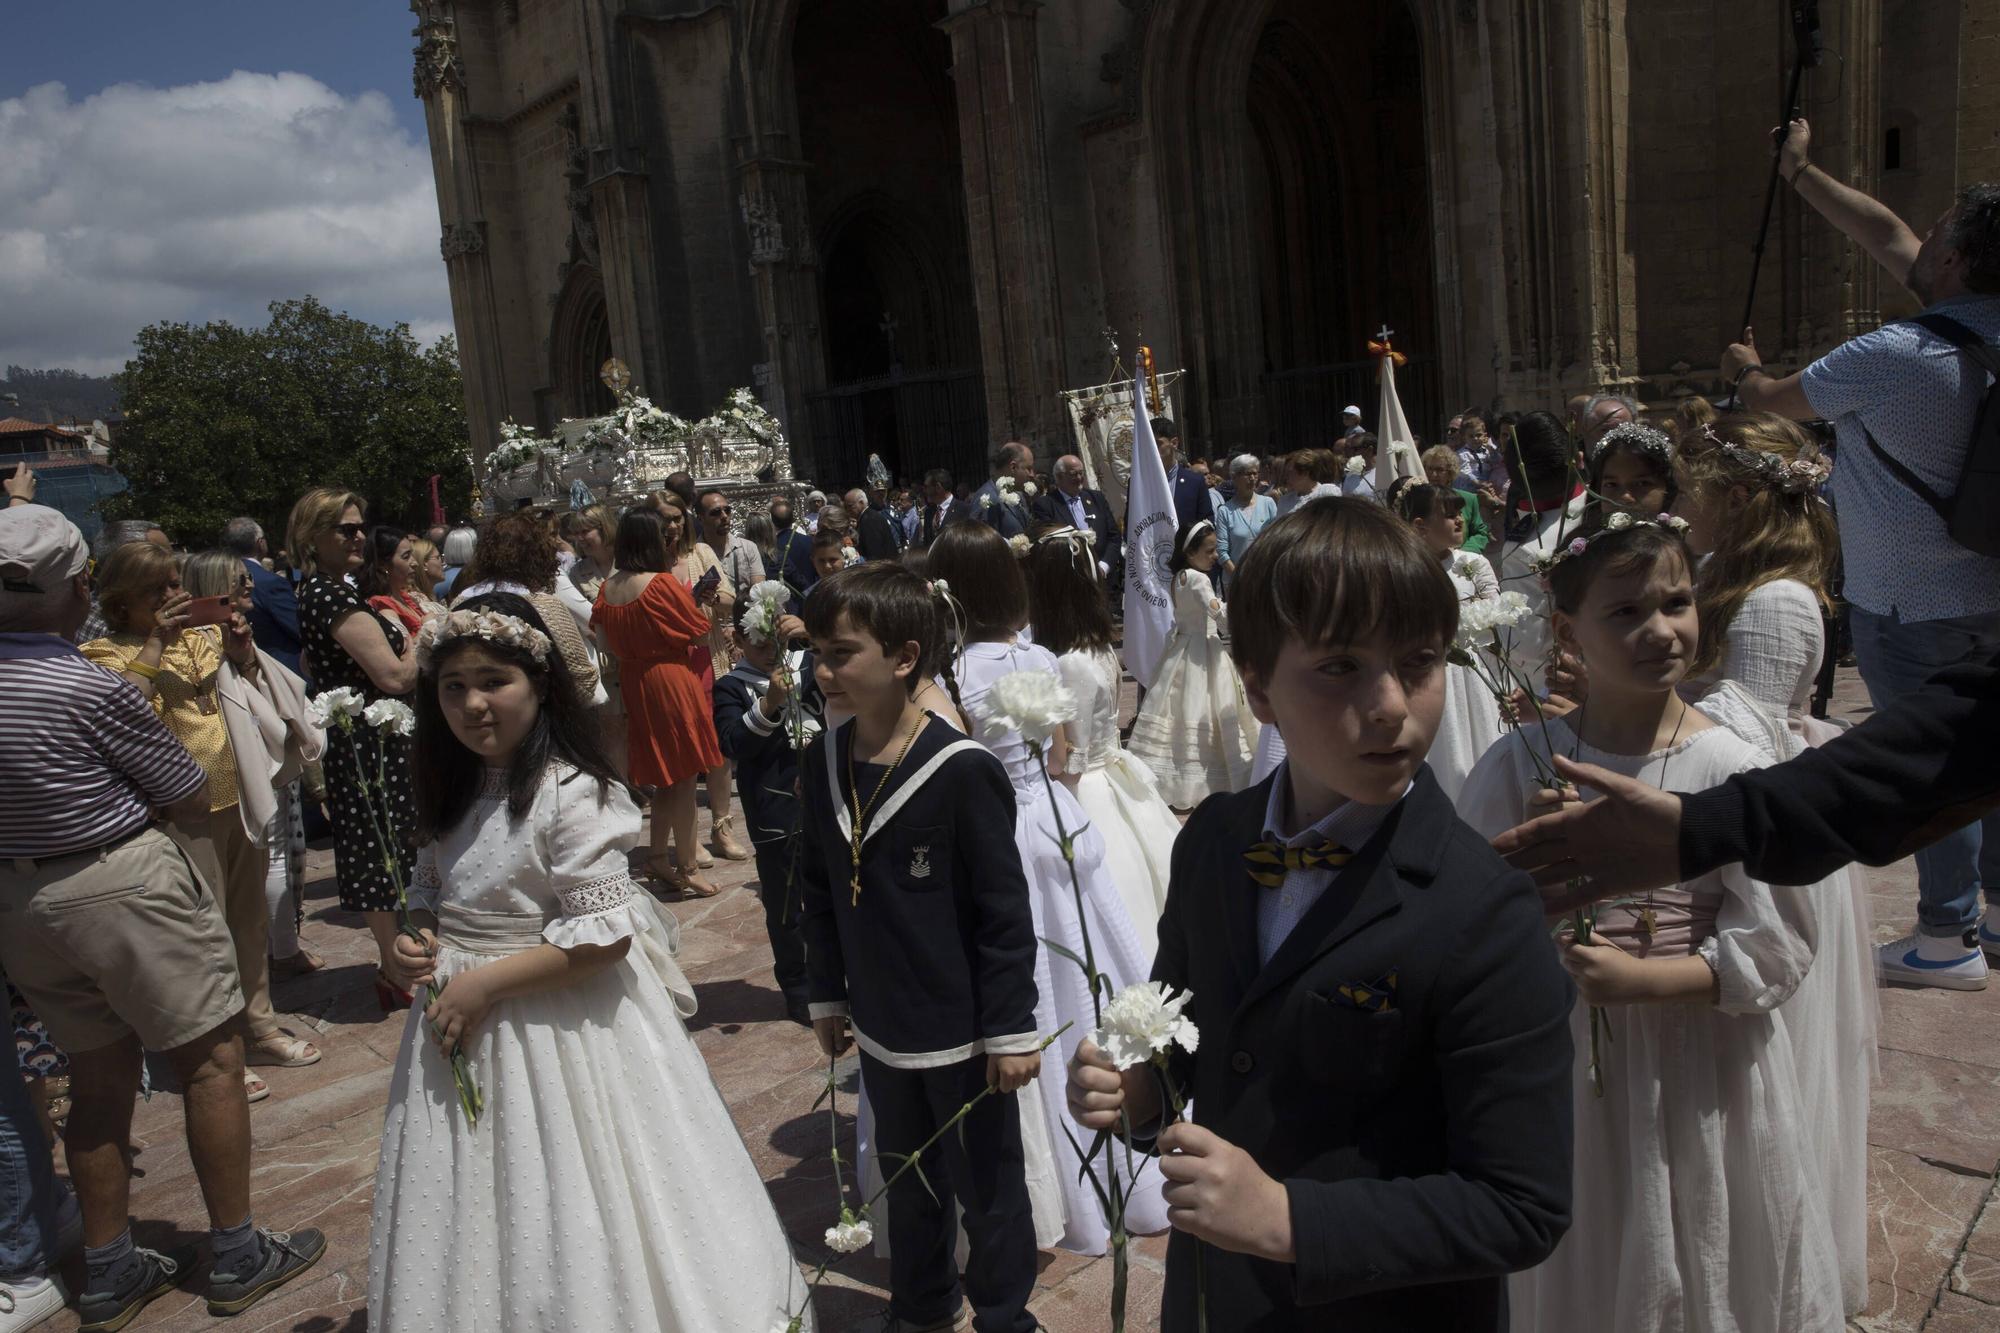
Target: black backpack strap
1985, 355
1964, 339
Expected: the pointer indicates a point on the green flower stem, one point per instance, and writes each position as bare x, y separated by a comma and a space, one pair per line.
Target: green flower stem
1115, 1193
470, 1099
833, 1261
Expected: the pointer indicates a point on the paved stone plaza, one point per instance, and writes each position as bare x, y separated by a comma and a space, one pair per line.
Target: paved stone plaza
1934, 1261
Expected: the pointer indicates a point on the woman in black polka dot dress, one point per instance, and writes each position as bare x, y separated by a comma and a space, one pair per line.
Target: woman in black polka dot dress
348, 643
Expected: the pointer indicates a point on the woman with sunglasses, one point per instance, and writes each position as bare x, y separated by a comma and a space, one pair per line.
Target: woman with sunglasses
350, 643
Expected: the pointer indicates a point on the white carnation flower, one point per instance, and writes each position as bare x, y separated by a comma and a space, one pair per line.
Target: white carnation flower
1618, 522
1029, 488
985, 502
851, 1234
1356, 465
391, 715
1019, 541
1477, 620
332, 706
1143, 1022
1033, 703
850, 555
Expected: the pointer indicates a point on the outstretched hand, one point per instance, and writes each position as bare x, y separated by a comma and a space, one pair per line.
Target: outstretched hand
1628, 840
1793, 145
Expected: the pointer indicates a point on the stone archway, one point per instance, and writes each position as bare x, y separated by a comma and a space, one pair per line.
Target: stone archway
579, 345
1291, 144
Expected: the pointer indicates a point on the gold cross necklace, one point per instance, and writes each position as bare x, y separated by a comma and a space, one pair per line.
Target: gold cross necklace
860, 811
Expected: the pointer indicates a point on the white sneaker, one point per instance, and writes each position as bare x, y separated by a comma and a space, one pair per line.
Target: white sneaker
23, 1305
1949, 962
1989, 940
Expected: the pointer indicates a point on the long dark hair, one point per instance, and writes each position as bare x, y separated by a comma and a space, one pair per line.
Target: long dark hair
1065, 600
372, 580
448, 776
984, 575
1184, 541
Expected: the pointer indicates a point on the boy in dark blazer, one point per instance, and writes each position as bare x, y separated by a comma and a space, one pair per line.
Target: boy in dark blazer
1382, 1081
920, 946
750, 722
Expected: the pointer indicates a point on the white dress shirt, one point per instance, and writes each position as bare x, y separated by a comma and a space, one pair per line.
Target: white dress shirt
1280, 910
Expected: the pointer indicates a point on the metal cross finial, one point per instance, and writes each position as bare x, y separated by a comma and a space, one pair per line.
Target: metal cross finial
1110, 336
1384, 333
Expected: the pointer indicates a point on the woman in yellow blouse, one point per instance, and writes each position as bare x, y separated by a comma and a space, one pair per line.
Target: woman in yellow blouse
178, 669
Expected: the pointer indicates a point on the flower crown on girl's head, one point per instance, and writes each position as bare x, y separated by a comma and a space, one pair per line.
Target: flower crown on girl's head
497, 626
1616, 522
1640, 439
1793, 476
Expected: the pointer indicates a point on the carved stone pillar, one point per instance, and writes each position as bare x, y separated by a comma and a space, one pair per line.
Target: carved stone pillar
1008, 222
784, 275
439, 83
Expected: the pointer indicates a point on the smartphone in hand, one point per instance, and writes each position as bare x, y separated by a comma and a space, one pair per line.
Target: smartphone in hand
707, 582
209, 611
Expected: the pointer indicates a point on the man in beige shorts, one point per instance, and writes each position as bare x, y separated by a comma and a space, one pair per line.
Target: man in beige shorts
113, 938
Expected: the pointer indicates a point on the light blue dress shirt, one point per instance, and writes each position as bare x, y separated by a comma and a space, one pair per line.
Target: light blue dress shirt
1280, 910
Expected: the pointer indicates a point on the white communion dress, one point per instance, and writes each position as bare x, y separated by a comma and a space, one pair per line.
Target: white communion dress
1762, 690
1063, 994
1696, 1204
1119, 795
1195, 729
1471, 719
605, 1185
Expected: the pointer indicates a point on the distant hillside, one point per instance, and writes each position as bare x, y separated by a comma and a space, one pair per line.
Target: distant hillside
58, 395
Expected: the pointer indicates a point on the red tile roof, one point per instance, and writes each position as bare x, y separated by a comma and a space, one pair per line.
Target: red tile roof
21, 426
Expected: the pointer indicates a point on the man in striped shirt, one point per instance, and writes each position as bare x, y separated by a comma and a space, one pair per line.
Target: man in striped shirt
114, 940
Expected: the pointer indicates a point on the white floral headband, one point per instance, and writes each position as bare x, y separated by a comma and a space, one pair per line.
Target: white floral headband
1793, 476
1641, 439
496, 626
1619, 521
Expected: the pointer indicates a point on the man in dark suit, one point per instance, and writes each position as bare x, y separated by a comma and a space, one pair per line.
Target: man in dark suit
1190, 488
941, 506
1002, 503
274, 607
876, 534
1072, 504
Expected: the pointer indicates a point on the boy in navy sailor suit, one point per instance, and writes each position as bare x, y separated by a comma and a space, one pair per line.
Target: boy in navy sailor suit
1382, 1081
923, 943
750, 723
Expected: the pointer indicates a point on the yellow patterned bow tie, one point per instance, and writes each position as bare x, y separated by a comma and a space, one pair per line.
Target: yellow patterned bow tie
1269, 862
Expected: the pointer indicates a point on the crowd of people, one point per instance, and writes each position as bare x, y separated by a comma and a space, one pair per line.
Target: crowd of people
1586, 639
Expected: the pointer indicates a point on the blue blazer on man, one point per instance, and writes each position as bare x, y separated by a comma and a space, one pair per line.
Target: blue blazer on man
1191, 497
1402, 1064
274, 615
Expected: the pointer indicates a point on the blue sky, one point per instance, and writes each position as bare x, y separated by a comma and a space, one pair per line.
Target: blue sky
198, 159
351, 46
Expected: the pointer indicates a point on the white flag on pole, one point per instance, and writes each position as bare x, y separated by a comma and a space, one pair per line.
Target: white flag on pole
1150, 527
1396, 448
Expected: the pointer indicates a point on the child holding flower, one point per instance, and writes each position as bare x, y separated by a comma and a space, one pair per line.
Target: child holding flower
560, 1207
1700, 1204
920, 946
1381, 1084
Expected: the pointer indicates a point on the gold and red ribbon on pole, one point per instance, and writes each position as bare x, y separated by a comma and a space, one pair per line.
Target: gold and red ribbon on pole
1380, 348
1152, 379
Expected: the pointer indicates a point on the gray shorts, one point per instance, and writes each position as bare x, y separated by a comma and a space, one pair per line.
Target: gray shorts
118, 940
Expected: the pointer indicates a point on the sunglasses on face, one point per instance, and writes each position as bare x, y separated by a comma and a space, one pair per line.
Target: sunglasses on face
350, 530
718, 510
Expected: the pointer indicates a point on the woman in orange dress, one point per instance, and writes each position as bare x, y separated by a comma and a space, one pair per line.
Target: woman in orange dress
655, 628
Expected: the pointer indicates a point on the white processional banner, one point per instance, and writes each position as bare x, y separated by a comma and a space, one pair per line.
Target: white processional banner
1150, 528
1102, 419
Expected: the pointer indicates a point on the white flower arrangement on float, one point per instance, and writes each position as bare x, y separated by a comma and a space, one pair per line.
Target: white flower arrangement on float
518, 447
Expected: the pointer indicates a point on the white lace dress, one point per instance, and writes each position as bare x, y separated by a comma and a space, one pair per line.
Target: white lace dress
1064, 996
605, 1186
1471, 720
1696, 1205
1195, 729
1771, 657
1119, 795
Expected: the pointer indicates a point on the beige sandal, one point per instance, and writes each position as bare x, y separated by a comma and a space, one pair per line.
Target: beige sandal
727, 843
254, 1089
280, 1050
302, 963
692, 885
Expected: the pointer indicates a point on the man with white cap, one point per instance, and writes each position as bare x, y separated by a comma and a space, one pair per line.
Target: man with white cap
1350, 421
114, 940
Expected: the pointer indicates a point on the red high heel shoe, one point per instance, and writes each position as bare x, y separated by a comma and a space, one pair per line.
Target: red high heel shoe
391, 996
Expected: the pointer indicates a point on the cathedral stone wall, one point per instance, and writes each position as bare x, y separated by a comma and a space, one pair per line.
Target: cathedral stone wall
908, 223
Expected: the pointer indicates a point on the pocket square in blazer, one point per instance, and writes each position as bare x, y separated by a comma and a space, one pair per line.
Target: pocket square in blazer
1372, 997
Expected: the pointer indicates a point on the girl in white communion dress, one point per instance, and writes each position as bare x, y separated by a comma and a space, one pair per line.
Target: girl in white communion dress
564, 1205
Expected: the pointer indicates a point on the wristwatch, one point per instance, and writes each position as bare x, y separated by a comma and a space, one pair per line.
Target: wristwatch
1737, 384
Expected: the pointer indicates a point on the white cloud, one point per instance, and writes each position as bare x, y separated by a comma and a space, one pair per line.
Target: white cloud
207, 201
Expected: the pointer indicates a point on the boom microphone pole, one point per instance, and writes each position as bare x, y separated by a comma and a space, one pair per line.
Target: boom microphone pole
1807, 48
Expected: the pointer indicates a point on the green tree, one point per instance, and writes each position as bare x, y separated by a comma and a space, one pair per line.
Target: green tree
222, 420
